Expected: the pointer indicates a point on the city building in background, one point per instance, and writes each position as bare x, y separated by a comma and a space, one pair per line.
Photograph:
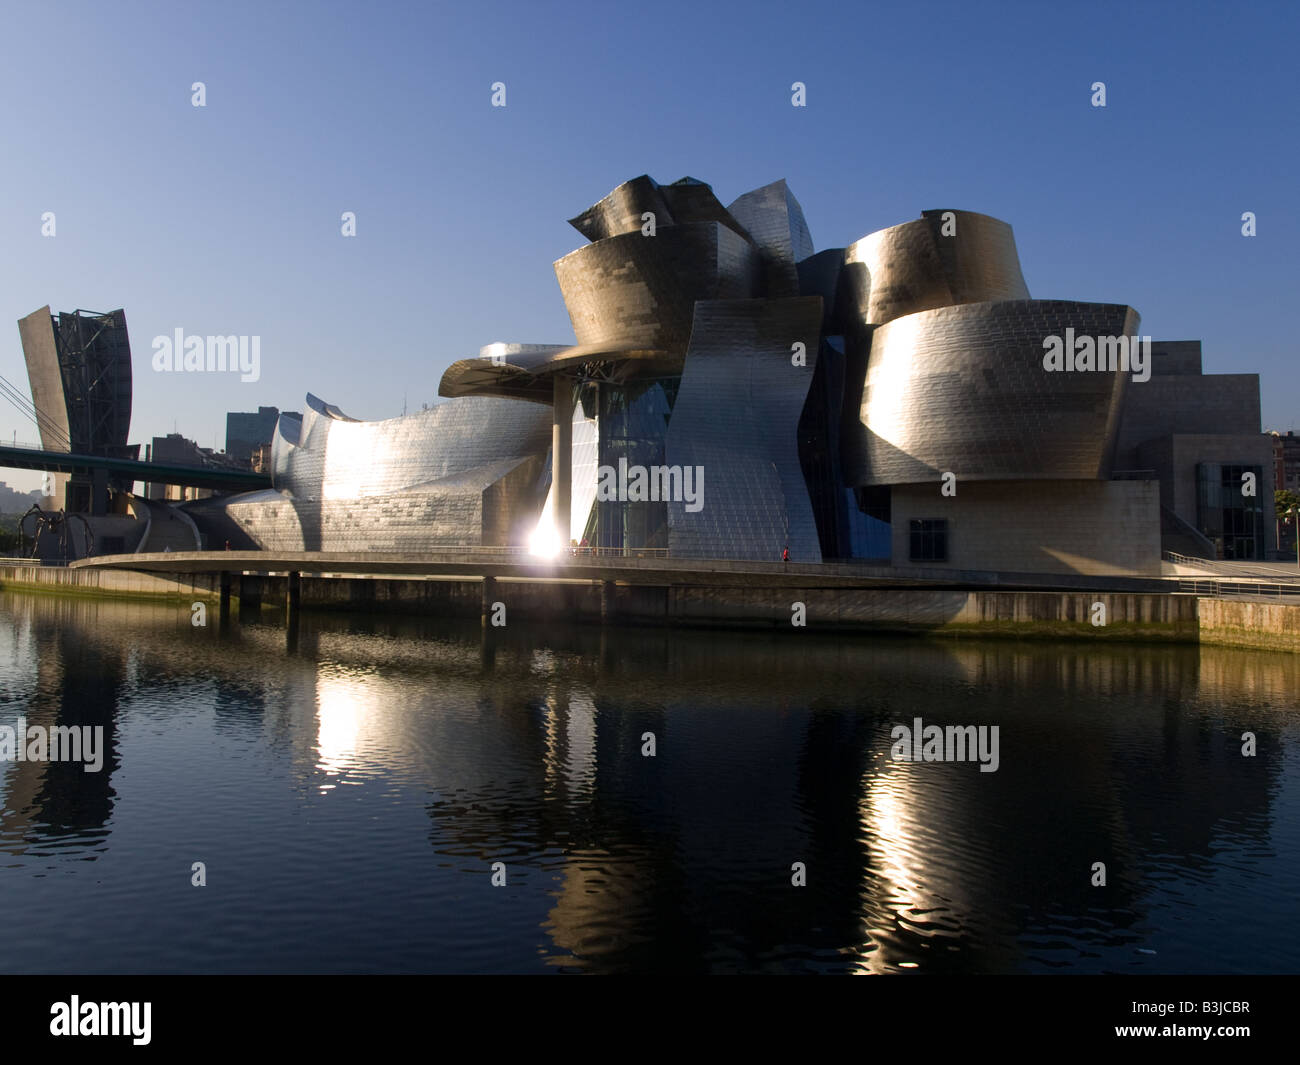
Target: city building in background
1286, 476
175, 450
261, 460
1286, 459
247, 431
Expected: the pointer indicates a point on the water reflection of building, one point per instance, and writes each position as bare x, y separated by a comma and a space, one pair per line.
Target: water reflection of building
77, 682
1122, 754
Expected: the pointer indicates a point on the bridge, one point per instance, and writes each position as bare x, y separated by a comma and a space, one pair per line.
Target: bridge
99, 468
654, 568
637, 567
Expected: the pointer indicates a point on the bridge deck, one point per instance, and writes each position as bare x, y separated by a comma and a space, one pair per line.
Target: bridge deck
24, 457
479, 563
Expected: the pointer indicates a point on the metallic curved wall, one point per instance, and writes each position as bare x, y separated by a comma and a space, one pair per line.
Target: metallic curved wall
621, 210
737, 415
773, 218
963, 390
632, 291
339, 457
913, 267
284, 442
684, 201
492, 505
470, 471
819, 275
923, 356
694, 201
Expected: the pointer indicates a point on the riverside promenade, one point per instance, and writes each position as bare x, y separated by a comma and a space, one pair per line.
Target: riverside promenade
1189, 602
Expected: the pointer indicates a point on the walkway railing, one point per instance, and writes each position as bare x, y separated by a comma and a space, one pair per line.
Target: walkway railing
1275, 572
1216, 589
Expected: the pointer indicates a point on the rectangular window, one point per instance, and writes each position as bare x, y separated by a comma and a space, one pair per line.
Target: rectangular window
929, 540
1232, 520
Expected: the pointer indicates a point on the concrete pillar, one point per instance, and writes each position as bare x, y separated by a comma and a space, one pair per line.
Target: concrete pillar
224, 615
606, 602
562, 456
250, 596
98, 491
293, 595
489, 597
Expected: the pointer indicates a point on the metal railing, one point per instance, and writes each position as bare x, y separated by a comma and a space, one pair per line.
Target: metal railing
1185, 560
525, 554
1279, 572
1217, 589
609, 552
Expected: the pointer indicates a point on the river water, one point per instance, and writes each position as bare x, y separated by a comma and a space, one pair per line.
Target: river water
379, 794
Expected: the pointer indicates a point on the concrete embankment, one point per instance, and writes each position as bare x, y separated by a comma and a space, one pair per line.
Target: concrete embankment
1236, 623
111, 583
947, 612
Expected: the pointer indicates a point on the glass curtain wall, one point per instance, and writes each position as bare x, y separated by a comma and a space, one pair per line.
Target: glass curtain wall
633, 420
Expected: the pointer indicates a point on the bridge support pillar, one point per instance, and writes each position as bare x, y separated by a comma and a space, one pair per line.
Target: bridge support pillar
292, 599
98, 492
606, 602
224, 615
489, 597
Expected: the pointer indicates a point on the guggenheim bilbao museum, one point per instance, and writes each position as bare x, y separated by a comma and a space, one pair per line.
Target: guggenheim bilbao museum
733, 394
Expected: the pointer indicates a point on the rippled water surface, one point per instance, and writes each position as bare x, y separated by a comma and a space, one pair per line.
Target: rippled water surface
350, 790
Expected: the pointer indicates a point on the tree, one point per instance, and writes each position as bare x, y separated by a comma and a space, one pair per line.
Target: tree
1283, 501
10, 541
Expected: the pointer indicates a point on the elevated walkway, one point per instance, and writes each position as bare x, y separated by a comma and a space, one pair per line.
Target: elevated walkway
652, 569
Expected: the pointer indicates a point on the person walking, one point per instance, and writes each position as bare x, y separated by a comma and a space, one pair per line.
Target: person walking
785, 555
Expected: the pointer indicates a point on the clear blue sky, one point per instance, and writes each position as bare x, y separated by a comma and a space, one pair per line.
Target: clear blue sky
226, 219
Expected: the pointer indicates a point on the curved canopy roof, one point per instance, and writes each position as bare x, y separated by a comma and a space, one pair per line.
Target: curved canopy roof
529, 374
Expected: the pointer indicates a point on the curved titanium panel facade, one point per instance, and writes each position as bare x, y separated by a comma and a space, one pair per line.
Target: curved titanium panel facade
923, 356
621, 211
631, 291
914, 267
493, 505
681, 203
774, 220
340, 458
515, 371
467, 472
963, 390
529, 376
693, 201
737, 417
